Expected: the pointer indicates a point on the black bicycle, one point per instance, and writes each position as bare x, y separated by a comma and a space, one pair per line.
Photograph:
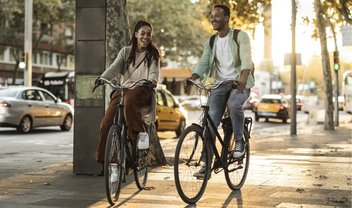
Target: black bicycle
118, 148
193, 152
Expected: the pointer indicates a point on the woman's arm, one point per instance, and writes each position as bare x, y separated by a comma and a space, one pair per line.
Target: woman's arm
117, 67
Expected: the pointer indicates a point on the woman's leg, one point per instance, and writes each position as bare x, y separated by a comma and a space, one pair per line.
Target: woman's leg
135, 99
105, 125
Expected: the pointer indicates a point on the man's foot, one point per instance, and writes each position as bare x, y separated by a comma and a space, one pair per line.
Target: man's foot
201, 173
239, 149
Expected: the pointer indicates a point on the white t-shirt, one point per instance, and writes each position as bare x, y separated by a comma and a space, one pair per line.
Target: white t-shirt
224, 59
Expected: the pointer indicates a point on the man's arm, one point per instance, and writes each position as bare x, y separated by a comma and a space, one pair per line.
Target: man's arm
246, 60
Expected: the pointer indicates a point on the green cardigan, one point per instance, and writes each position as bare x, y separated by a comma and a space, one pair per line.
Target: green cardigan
205, 68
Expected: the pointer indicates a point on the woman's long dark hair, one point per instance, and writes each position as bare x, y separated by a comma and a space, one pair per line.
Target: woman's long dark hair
151, 53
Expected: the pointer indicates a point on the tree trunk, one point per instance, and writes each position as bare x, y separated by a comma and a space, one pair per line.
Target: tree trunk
117, 36
329, 108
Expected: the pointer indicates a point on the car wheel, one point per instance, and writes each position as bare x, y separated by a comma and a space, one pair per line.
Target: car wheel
67, 124
25, 125
256, 117
180, 128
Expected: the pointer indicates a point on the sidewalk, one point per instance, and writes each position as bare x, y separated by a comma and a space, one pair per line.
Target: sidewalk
56, 186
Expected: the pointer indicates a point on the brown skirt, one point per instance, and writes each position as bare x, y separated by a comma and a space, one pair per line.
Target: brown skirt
134, 100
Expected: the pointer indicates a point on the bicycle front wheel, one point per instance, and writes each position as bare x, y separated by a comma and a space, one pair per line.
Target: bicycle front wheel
237, 169
113, 165
188, 161
141, 169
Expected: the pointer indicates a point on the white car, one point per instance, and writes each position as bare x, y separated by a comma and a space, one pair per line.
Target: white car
28, 107
193, 102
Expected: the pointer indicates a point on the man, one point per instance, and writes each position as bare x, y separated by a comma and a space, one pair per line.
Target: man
221, 62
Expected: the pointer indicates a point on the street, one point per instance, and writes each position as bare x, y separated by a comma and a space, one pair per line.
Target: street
312, 169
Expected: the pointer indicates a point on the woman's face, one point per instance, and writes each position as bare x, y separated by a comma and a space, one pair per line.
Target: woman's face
144, 37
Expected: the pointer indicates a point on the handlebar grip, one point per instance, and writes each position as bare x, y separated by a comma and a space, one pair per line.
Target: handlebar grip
234, 85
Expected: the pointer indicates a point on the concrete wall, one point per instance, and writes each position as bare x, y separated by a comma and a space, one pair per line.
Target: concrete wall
90, 63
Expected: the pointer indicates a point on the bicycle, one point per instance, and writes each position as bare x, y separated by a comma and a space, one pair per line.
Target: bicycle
118, 148
196, 142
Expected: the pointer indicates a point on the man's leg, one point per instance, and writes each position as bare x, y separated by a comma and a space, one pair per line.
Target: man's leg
235, 104
217, 104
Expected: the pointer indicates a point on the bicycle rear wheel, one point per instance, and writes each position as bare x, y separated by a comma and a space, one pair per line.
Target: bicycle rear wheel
237, 169
113, 165
141, 169
187, 162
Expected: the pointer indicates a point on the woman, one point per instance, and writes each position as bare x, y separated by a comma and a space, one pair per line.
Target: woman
140, 60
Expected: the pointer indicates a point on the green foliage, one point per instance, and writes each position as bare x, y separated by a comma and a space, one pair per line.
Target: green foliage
178, 26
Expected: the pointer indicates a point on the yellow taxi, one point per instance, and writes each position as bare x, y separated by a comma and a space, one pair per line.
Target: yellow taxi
272, 106
170, 115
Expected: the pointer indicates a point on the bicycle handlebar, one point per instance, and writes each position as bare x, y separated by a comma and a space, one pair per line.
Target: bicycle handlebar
146, 83
200, 85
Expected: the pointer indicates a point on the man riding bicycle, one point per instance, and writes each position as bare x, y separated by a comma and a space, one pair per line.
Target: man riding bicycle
226, 61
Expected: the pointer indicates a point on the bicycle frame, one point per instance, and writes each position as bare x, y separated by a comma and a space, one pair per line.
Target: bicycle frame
206, 133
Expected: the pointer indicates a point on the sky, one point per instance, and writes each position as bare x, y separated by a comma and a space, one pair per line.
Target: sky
281, 38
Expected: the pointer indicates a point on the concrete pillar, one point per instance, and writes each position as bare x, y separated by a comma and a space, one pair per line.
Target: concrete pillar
89, 63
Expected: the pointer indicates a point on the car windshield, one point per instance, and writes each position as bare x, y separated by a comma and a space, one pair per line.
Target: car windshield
8, 92
273, 101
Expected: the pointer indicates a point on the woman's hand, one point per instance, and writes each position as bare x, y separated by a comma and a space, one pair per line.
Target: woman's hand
154, 84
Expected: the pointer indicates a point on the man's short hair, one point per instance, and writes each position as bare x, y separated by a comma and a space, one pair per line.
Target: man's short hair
225, 8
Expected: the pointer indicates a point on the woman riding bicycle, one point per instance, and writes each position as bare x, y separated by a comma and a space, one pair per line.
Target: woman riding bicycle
140, 60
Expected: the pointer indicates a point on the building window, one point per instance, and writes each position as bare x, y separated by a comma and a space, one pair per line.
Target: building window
2, 53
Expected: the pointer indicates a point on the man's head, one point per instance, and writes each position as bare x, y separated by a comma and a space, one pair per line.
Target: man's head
220, 16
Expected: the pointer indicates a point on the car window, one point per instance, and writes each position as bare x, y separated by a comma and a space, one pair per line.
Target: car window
31, 95
170, 102
47, 97
272, 101
160, 99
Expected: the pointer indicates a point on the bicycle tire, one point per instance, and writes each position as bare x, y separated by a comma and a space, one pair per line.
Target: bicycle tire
235, 172
113, 165
141, 169
187, 161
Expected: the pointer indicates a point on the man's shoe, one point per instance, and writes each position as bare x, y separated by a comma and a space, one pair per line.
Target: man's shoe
239, 149
200, 173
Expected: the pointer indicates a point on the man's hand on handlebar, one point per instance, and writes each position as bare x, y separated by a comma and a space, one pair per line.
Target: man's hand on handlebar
188, 83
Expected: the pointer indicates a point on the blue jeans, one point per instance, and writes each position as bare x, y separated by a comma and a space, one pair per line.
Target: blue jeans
218, 100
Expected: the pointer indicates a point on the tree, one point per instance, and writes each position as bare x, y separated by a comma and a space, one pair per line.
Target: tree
333, 14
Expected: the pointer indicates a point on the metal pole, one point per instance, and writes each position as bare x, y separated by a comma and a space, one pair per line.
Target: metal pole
293, 73
337, 98
28, 42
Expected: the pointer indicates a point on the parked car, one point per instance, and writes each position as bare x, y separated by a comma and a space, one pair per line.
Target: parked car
192, 102
170, 115
341, 100
272, 106
28, 107
251, 101
300, 100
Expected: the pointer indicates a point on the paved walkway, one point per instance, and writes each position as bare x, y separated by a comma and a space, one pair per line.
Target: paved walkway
312, 169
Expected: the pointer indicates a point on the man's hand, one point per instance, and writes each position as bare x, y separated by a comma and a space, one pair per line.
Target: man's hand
242, 80
187, 83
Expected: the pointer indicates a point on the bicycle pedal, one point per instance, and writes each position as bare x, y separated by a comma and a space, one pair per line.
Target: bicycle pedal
218, 170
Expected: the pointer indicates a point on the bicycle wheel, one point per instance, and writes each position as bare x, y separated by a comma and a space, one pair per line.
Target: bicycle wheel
141, 169
187, 162
113, 165
237, 169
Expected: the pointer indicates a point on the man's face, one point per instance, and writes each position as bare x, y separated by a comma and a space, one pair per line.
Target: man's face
218, 19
